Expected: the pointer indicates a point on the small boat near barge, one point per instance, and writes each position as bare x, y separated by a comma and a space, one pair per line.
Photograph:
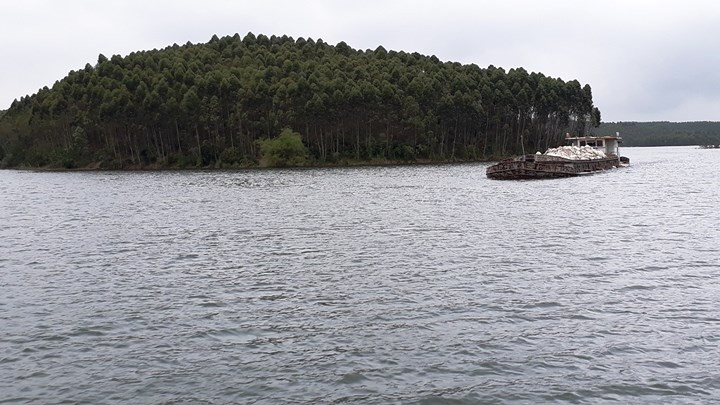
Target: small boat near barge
548, 166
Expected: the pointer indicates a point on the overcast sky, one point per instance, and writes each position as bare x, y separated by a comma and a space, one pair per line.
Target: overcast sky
645, 60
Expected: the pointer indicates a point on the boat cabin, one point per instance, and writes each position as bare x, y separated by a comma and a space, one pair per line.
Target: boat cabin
610, 145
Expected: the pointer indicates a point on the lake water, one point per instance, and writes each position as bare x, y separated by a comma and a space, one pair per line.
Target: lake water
426, 284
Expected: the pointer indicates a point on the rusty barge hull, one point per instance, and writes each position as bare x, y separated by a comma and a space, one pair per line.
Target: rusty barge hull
547, 167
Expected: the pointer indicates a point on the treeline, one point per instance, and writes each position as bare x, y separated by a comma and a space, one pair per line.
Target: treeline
664, 133
213, 104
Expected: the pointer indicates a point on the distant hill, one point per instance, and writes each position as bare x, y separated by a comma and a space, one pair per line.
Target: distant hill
663, 133
217, 104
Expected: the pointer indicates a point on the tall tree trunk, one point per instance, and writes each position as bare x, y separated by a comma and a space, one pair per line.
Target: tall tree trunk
452, 153
130, 144
369, 140
387, 140
177, 133
162, 147
357, 141
197, 137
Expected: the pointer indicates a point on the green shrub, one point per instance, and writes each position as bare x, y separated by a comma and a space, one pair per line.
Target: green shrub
208, 154
285, 150
231, 156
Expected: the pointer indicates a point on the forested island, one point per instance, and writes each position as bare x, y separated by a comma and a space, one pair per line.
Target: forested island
277, 101
663, 133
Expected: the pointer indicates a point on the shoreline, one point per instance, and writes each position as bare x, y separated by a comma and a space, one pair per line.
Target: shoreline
96, 167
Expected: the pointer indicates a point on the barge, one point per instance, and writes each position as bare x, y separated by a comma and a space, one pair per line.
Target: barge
550, 165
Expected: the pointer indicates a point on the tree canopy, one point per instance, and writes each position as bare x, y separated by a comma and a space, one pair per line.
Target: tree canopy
210, 104
663, 133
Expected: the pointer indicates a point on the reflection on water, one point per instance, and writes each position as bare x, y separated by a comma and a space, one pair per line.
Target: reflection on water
382, 284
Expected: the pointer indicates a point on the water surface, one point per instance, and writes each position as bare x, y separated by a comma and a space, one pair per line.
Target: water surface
384, 284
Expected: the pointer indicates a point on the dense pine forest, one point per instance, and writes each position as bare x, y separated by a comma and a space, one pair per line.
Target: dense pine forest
236, 102
664, 133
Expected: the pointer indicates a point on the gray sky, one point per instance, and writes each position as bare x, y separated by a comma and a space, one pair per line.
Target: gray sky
645, 60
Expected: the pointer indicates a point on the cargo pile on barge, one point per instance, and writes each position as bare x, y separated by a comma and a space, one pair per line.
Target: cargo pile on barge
576, 152
584, 155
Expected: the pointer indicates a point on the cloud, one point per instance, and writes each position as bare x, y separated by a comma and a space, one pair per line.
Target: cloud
645, 60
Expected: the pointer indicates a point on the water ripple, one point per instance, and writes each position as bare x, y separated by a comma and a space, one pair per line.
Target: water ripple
371, 285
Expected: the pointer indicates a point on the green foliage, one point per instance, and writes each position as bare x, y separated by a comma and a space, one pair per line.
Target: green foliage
208, 104
285, 150
76, 154
232, 156
208, 154
596, 117
664, 133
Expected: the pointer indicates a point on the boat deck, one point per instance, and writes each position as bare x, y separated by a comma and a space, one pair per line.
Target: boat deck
547, 167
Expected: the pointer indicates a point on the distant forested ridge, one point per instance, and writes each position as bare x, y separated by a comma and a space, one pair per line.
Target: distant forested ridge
663, 133
236, 102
